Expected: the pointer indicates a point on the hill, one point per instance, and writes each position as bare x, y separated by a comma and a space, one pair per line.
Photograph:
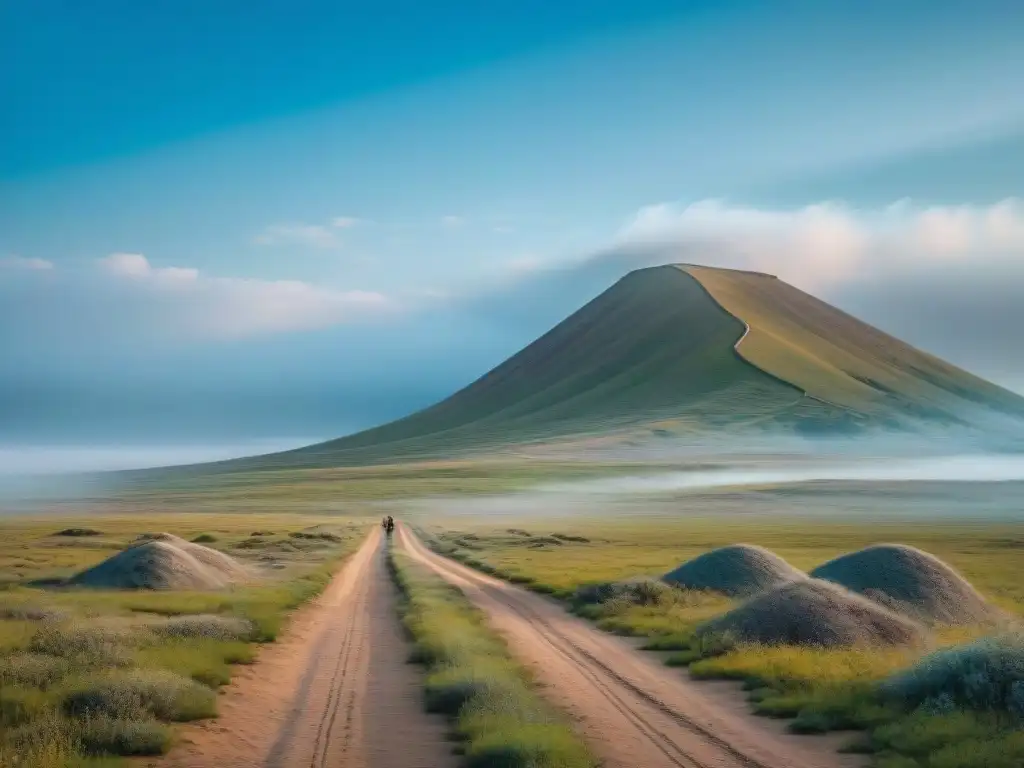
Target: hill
678, 349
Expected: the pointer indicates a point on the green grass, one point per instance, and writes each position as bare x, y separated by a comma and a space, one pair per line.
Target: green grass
87, 676
471, 679
817, 690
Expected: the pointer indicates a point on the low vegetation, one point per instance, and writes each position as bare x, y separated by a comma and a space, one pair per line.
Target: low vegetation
471, 678
91, 675
953, 701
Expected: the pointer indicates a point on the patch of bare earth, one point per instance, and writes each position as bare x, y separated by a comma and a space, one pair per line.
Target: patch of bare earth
631, 710
334, 691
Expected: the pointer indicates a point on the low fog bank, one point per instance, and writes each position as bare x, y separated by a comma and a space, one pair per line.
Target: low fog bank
965, 487
979, 468
30, 474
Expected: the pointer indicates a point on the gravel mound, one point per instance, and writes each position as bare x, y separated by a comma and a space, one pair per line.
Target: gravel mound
164, 561
814, 613
910, 581
739, 570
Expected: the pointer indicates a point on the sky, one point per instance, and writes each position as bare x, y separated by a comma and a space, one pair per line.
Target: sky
223, 223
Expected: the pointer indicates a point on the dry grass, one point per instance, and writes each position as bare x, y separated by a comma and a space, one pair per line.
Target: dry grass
910, 581
816, 614
736, 570
95, 673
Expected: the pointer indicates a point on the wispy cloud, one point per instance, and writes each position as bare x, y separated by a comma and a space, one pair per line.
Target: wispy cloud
452, 222
345, 222
826, 244
23, 262
315, 235
195, 303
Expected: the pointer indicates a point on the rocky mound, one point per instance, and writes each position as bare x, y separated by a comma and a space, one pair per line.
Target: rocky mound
910, 581
814, 613
739, 570
164, 561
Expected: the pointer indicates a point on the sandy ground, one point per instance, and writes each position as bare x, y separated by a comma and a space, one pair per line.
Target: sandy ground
334, 692
631, 710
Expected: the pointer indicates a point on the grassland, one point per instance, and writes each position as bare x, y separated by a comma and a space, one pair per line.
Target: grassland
817, 690
471, 678
88, 675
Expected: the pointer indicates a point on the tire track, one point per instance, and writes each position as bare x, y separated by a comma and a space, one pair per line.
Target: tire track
633, 712
314, 699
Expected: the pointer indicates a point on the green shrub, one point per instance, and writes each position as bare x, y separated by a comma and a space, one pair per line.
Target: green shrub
158, 693
205, 626
102, 735
35, 670
985, 675
204, 538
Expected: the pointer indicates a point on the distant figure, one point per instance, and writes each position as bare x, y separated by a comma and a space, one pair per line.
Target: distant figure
389, 524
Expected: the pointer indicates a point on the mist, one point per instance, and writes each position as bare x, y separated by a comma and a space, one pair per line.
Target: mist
985, 468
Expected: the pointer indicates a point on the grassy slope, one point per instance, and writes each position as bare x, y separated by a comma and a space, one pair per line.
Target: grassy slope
836, 357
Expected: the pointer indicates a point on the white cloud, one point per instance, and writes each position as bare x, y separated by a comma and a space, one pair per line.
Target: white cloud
23, 262
344, 222
316, 235
825, 244
195, 303
452, 222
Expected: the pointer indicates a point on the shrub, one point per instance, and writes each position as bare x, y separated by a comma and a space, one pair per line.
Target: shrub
89, 645
206, 626
987, 674
34, 670
79, 532
108, 735
204, 538
158, 693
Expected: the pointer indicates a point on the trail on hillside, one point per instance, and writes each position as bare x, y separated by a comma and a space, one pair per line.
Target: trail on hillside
335, 692
631, 710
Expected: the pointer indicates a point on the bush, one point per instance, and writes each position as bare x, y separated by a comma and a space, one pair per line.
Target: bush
107, 735
206, 626
204, 538
985, 675
33, 670
157, 693
88, 645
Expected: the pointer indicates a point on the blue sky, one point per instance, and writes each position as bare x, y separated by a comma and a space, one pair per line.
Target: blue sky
226, 221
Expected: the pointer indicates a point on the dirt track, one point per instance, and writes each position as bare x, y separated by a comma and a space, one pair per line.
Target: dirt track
334, 692
630, 709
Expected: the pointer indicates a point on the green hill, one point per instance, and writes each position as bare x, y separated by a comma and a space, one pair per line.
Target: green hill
677, 349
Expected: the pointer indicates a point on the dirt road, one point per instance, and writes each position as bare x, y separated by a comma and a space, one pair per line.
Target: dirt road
631, 710
334, 692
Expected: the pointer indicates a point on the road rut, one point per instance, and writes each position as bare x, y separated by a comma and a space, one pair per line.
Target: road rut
335, 692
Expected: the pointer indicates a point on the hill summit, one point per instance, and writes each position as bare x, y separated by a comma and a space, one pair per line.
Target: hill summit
682, 349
